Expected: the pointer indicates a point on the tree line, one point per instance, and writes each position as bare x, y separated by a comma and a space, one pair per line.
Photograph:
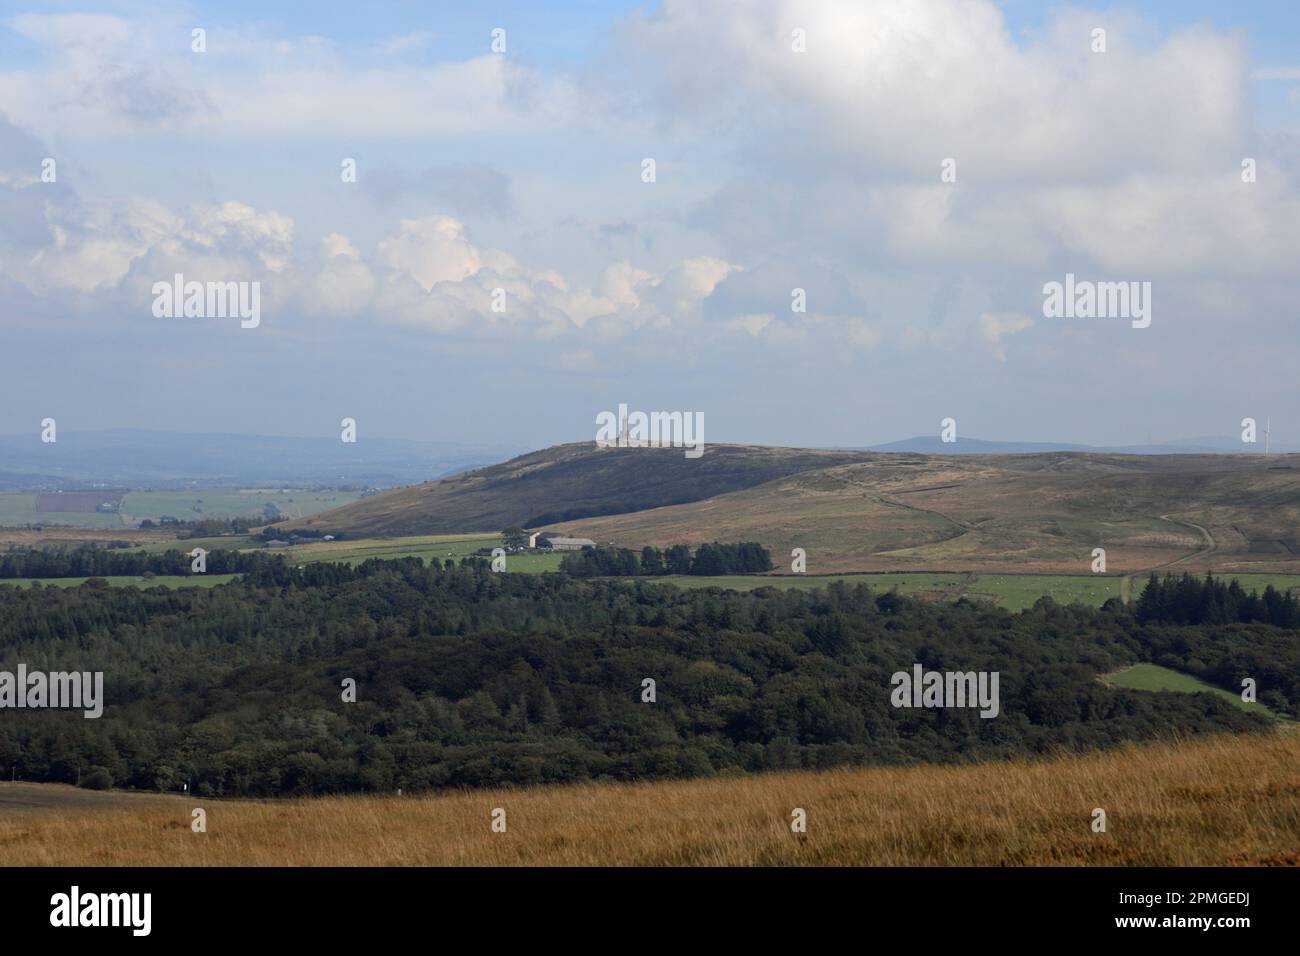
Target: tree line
204, 527
745, 557
1189, 600
103, 562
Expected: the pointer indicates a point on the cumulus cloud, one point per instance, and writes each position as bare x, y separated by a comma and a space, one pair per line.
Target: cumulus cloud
425, 273
943, 78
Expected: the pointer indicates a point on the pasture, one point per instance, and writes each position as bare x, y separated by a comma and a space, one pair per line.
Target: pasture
1152, 677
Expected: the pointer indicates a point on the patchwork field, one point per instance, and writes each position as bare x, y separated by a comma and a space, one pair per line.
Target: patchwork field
18, 509
55, 537
1223, 800
1012, 591
233, 502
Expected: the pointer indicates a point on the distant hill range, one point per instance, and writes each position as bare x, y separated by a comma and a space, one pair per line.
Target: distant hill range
932, 445
154, 459
871, 510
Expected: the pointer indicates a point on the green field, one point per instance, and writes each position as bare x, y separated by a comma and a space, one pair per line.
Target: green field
229, 542
1019, 591
428, 547
1155, 678
134, 581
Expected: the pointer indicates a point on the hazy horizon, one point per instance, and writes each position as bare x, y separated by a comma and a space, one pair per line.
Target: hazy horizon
1231, 443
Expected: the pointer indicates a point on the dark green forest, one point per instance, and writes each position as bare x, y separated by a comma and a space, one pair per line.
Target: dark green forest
469, 678
106, 562
745, 557
1189, 600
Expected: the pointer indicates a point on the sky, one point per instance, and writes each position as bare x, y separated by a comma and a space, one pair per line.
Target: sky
501, 270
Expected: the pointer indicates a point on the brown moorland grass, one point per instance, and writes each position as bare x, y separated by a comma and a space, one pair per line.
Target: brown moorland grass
998, 514
1231, 800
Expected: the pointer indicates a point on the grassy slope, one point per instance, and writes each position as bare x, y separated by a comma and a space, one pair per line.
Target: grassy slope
1038, 513
1153, 677
1213, 801
576, 478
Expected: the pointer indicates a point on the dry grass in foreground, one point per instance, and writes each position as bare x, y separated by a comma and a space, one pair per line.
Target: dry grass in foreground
1222, 800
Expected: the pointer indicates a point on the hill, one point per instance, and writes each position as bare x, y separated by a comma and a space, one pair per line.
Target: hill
570, 482
1217, 801
877, 511
1000, 513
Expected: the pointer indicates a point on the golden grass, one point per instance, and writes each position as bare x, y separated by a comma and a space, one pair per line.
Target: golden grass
997, 514
1222, 800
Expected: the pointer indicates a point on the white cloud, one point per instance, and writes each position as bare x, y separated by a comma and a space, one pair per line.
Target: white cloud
751, 324
109, 76
433, 250
995, 325
944, 78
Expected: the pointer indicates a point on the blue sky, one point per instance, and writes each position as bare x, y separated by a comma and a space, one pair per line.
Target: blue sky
776, 170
